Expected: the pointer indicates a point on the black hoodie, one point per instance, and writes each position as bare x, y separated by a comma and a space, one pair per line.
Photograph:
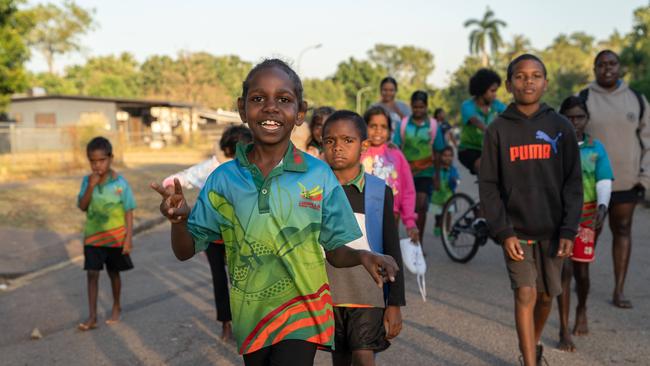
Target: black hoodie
530, 182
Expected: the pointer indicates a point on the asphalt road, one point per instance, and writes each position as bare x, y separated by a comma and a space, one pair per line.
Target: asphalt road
169, 313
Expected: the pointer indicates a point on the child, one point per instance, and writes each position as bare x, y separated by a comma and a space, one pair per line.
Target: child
315, 145
107, 199
272, 206
447, 178
531, 194
476, 114
386, 161
420, 138
196, 176
447, 129
597, 179
363, 327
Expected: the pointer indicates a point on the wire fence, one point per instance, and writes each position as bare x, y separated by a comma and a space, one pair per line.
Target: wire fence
27, 152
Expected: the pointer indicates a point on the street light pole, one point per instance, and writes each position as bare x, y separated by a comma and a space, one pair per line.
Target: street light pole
304, 50
359, 94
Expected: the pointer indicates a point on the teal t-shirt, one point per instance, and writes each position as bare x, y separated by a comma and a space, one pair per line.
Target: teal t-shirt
274, 230
449, 178
471, 137
417, 146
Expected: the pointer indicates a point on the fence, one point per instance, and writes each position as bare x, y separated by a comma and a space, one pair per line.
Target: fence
26, 152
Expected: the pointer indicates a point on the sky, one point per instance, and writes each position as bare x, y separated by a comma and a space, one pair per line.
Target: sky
256, 29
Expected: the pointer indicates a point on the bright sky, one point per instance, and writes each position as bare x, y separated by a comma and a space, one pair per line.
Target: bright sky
255, 29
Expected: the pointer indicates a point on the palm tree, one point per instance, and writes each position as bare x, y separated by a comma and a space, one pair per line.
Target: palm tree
520, 44
486, 29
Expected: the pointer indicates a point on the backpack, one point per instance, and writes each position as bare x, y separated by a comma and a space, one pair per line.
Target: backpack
584, 94
433, 129
374, 207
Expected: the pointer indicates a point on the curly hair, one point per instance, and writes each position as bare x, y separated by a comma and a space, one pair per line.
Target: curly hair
482, 80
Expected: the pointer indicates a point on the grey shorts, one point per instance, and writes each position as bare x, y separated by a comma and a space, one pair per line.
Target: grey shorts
541, 267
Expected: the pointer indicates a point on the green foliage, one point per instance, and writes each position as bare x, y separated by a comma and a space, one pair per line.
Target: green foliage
636, 54
353, 75
326, 92
52, 83
106, 76
409, 65
13, 52
57, 29
569, 61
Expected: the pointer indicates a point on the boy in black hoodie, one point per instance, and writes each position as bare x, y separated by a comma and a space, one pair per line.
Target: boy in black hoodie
530, 188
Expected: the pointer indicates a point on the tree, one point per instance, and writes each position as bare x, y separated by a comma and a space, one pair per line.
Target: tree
156, 74
569, 63
231, 72
53, 83
354, 75
486, 29
636, 53
106, 76
615, 42
13, 51
519, 45
410, 65
326, 92
57, 29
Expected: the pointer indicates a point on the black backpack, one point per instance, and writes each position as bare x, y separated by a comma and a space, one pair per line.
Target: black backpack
584, 94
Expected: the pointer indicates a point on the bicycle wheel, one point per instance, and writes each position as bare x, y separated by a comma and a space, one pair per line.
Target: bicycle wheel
458, 234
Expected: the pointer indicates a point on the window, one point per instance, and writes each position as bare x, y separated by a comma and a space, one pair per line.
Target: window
45, 119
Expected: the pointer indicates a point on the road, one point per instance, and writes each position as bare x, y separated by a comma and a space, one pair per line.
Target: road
169, 315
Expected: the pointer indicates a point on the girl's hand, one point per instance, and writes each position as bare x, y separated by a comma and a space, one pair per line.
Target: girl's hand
513, 249
392, 321
173, 205
414, 234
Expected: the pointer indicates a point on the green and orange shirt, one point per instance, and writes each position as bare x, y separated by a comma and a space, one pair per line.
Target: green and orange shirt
273, 229
105, 218
471, 137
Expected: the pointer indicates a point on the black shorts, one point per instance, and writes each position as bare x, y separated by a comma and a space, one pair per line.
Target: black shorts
423, 185
541, 267
468, 157
289, 352
634, 195
359, 329
95, 257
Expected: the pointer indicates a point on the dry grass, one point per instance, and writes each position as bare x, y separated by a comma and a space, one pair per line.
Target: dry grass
50, 203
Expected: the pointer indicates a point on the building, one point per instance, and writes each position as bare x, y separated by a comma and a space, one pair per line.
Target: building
42, 122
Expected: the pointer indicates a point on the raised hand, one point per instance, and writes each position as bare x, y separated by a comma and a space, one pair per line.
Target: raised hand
93, 179
382, 268
173, 205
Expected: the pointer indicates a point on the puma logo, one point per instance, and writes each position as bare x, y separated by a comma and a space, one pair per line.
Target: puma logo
541, 135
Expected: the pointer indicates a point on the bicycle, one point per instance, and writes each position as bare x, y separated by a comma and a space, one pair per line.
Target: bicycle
463, 231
